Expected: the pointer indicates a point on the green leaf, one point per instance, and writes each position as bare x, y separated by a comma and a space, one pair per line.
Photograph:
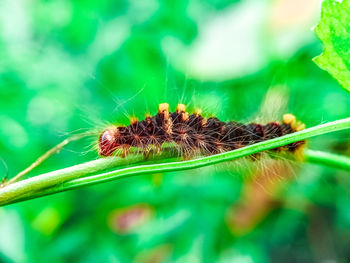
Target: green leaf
334, 31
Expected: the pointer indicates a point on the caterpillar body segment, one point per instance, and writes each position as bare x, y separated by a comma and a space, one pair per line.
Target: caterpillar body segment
194, 133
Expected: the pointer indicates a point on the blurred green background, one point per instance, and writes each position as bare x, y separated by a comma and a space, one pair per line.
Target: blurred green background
72, 66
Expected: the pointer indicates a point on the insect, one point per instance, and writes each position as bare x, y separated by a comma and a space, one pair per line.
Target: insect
192, 133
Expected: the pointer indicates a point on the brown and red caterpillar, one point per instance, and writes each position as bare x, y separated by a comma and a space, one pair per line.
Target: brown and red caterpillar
194, 133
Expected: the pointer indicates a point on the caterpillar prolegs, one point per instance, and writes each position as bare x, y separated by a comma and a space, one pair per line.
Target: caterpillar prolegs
194, 133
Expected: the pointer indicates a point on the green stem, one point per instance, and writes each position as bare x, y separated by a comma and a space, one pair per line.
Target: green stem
36, 184
328, 159
66, 179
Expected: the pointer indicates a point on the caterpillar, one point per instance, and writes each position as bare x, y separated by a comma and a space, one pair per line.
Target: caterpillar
194, 133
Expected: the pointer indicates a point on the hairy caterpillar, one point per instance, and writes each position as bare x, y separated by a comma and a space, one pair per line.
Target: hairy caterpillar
193, 133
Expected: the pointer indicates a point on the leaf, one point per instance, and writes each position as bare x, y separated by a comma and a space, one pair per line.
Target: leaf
334, 31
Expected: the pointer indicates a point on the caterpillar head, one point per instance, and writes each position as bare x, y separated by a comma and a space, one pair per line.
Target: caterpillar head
108, 141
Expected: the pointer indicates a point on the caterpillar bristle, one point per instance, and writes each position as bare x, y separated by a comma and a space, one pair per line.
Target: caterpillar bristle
163, 107
180, 108
299, 126
193, 133
197, 112
133, 120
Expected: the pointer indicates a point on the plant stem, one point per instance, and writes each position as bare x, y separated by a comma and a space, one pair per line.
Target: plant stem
66, 179
42, 158
33, 185
328, 159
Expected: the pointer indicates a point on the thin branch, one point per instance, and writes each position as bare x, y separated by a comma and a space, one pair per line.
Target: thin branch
328, 159
73, 177
42, 158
